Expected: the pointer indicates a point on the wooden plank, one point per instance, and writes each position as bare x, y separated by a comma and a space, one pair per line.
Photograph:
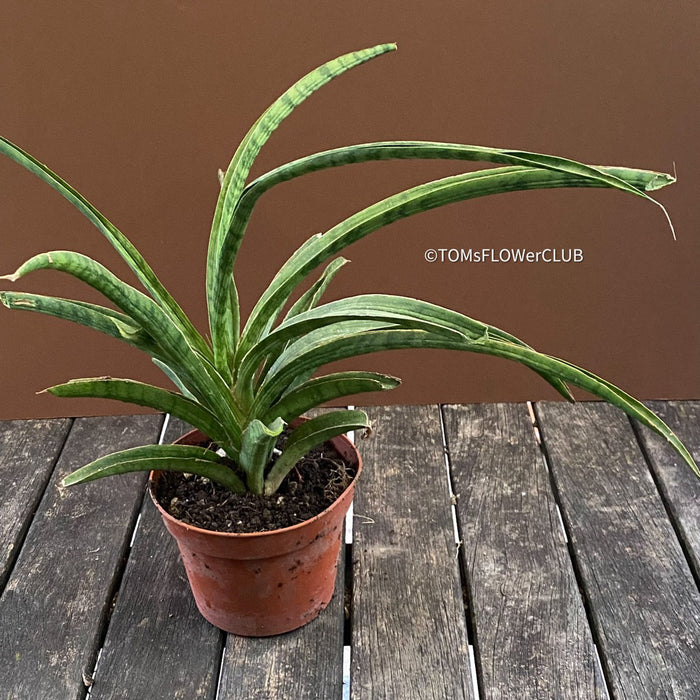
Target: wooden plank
679, 486
643, 600
157, 644
57, 598
409, 637
532, 635
28, 451
305, 664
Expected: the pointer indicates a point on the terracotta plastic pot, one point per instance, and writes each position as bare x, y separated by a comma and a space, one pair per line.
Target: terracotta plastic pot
264, 583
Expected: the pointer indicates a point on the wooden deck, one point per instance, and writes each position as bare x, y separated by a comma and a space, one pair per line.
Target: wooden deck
576, 573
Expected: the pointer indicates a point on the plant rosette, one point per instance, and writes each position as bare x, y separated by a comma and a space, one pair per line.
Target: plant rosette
263, 583
242, 384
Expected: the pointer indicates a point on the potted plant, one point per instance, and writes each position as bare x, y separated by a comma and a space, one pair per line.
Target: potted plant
247, 388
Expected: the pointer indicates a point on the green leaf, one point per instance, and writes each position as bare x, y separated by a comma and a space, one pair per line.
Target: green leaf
118, 240
398, 310
309, 434
633, 180
413, 201
324, 316
258, 443
352, 339
192, 368
227, 231
141, 394
99, 318
328, 388
330, 343
172, 376
595, 385
178, 458
310, 298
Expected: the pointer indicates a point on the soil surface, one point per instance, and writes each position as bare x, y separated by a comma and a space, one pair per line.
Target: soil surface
315, 483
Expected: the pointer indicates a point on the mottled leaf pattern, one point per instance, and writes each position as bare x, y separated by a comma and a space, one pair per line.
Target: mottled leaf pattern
245, 386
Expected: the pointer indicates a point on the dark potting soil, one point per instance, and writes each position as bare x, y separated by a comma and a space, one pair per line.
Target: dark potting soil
314, 483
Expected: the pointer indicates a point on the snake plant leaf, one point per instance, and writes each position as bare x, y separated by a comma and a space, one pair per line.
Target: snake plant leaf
119, 241
135, 305
131, 391
337, 342
310, 298
629, 179
318, 348
99, 318
383, 307
309, 434
196, 372
327, 320
226, 234
258, 442
407, 203
595, 385
319, 390
171, 374
177, 458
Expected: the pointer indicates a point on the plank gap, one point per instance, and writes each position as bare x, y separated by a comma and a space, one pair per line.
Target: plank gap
474, 675
347, 573
595, 632
450, 488
93, 675
24, 530
349, 516
347, 658
164, 429
561, 523
348, 525
136, 528
117, 583
666, 501
600, 669
221, 666
463, 576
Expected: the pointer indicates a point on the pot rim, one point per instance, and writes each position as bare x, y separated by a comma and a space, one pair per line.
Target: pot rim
153, 475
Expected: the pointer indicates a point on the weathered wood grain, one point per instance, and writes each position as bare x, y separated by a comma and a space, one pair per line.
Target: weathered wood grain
409, 637
155, 611
58, 595
643, 600
28, 451
157, 645
679, 486
408, 622
532, 635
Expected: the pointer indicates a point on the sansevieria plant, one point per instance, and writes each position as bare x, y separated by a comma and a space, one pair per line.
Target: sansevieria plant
244, 385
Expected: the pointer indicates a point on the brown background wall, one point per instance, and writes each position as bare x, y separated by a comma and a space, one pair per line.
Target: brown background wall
137, 105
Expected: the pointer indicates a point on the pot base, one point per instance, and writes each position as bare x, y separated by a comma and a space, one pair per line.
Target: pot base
264, 597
